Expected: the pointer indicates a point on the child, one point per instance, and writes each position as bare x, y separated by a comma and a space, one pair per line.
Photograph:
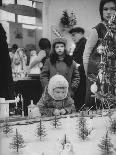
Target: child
60, 63
55, 99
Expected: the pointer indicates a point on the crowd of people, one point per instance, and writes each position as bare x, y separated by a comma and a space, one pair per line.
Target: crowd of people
53, 61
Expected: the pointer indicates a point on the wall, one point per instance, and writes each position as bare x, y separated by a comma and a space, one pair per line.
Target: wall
86, 11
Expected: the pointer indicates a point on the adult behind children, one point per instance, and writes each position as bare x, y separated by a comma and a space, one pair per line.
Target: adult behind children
77, 34
45, 47
6, 80
61, 63
91, 57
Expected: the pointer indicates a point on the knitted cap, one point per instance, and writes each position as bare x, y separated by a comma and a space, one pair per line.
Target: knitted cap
55, 82
60, 40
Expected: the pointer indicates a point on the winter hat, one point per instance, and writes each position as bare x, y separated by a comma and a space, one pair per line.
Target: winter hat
59, 40
55, 82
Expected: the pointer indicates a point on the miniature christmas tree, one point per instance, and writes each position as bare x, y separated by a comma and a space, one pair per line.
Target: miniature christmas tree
113, 126
64, 141
40, 131
106, 145
6, 128
17, 142
55, 122
83, 131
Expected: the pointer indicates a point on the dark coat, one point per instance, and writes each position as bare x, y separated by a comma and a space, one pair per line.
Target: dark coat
78, 52
6, 81
80, 94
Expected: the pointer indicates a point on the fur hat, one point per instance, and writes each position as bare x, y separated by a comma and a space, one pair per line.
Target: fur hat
60, 40
55, 82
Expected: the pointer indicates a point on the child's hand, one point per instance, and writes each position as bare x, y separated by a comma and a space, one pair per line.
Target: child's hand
56, 112
62, 111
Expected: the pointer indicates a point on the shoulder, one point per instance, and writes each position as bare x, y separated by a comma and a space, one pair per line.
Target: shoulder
76, 65
101, 29
42, 52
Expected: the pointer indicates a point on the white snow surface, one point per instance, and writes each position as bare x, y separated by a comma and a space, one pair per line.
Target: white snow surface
50, 144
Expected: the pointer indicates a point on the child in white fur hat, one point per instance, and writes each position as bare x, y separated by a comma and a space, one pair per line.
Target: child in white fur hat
55, 99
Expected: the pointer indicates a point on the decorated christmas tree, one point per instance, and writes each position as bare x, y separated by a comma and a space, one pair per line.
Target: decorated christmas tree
106, 145
55, 122
40, 130
17, 142
83, 130
105, 80
6, 128
68, 20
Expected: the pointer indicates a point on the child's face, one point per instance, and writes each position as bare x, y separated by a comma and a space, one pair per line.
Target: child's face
60, 93
59, 48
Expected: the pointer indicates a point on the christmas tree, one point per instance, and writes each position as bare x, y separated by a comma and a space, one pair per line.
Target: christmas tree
68, 20
106, 145
6, 128
55, 122
17, 142
83, 131
40, 131
106, 77
65, 20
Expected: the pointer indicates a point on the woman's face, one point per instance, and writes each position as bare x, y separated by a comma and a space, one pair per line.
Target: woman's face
59, 48
109, 9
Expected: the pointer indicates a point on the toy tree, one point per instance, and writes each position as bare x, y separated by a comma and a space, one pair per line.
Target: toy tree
83, 131
6, 128
113, 126
40, 131
55, 122
17, 142
106, 145
64, 141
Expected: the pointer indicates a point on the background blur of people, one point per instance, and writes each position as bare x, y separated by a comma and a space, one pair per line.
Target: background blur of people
37, 68
45, 47
19, 62
77, 34
6, 81
12, 51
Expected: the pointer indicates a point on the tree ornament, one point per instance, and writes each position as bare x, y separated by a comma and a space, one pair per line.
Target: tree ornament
94, 88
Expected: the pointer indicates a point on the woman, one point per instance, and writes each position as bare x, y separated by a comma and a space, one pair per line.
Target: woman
91, 56
107, 8
45, 47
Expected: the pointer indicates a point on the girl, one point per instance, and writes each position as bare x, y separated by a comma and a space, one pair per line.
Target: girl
61, 63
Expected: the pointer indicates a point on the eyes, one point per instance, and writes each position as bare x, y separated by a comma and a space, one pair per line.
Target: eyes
59, 46
109, 9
